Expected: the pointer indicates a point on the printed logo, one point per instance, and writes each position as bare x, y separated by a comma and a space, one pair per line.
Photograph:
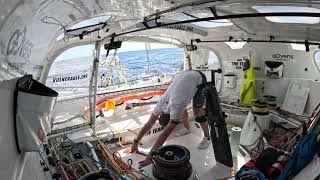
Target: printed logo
69, 78
238, 64
19, 44
187, 28
180, 27
154, 131
282, 56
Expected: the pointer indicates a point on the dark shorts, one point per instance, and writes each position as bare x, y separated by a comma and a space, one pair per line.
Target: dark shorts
199, 98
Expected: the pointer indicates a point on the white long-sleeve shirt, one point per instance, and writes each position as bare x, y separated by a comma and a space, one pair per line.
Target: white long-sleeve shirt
178, 95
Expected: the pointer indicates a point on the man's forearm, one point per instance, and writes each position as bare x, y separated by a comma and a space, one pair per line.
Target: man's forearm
146, 127
163, 136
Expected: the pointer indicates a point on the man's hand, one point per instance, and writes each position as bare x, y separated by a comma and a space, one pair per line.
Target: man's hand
145, 162
133, 148
159, 142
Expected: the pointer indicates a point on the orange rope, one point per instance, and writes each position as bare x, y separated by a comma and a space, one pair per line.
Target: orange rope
123, 166
116, 161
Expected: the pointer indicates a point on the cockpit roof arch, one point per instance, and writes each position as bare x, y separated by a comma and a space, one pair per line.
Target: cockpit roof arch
27, 20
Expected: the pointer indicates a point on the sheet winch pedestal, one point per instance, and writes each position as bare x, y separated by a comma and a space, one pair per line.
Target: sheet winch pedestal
256, 122
172, 162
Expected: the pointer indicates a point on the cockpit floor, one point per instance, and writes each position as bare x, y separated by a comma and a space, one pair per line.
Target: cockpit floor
202, 160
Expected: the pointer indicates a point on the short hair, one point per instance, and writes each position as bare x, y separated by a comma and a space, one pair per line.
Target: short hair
164, 119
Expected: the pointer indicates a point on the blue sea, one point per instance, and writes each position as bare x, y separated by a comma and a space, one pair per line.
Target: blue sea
72, 72
160, 60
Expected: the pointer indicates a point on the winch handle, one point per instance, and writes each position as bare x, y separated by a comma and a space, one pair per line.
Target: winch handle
153, 154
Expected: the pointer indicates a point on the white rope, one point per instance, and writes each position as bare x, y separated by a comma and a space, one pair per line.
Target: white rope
53, 21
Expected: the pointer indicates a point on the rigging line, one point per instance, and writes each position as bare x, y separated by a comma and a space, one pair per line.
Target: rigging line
232, 16
252, 40
147, 45
213, 11
174, 8
75, 145
242, 29
45, 20
55, 21
193, 16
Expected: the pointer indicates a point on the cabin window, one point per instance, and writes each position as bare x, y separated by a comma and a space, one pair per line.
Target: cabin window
214, 64
235, 45
61, 36
139, 64
84, 23
90, 21
213, 23
299, 47
289, 19
203, 14
317, 59
213, 60
70, 71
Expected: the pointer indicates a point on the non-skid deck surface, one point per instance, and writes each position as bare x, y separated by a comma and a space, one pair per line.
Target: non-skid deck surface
202, 160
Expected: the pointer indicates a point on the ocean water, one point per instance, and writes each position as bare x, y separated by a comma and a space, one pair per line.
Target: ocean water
76, 72
160, 61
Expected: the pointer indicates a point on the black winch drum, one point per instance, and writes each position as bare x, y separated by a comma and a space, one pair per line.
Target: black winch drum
171, 162
260, 107
272, 100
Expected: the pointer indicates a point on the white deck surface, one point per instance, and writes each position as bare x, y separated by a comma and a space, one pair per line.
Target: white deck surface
203, 161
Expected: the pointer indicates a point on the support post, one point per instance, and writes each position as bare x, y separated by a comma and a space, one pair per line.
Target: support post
95, 86
187, 60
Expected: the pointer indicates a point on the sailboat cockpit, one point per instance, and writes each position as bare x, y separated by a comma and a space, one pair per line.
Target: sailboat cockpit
82, 82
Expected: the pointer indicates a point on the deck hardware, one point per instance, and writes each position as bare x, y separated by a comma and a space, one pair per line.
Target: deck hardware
191, 47
271, 38
145, 24
213, 11
306, 43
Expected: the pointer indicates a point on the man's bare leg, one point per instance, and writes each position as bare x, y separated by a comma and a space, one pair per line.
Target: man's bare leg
205, 129
200, 112
185, 120
186, 126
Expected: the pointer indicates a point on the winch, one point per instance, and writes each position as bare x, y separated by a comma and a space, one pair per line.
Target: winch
260, 107
172, 162
272, 100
